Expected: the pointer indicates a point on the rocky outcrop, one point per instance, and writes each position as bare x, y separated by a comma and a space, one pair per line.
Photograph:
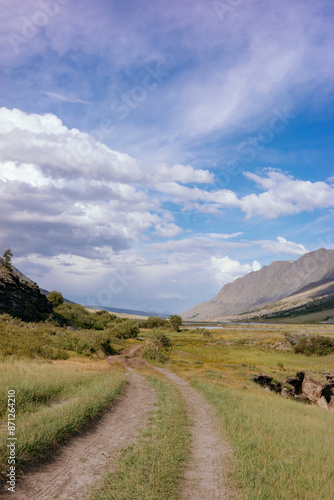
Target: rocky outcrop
21, 298
279, 281
303, 388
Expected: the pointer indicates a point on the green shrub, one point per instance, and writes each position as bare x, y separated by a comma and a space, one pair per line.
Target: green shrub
175, 322
158, 346
49, 341
75, 315
310, 344
154, 322
207, 334
56, 298
125, 329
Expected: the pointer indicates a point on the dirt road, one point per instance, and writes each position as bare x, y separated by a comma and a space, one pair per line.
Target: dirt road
82, 462
205, 477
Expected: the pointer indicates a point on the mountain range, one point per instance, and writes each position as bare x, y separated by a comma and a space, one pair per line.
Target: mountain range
280, 287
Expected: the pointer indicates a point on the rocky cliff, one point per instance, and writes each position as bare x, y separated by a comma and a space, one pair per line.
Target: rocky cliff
272, 283
22, 298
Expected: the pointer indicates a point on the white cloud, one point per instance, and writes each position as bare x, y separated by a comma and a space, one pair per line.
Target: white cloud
225, 236
168, 230
181, 173
285, 196
283, 246
58, 152
65, 98
62, 191
225, 269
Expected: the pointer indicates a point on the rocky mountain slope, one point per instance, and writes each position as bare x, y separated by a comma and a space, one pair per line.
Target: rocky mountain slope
259, 290
22, 298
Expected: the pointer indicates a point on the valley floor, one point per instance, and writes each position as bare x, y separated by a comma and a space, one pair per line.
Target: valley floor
196, 428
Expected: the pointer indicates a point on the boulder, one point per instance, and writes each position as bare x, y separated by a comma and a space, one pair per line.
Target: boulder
312, 389
322, 403
22, 299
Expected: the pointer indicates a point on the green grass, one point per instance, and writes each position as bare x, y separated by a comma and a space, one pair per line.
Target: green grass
283, 449
84, 391
38, 383
22, 340
152, 468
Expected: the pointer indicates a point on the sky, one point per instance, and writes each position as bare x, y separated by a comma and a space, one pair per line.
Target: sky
151, 152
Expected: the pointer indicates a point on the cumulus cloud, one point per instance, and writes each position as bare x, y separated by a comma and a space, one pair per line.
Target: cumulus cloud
283, 246
58, 152
285, 195
282, 195
63, 191
225, 269
168, 230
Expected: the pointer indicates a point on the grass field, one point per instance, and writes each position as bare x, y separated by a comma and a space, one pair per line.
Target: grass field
152, 469
283, 449
54, 400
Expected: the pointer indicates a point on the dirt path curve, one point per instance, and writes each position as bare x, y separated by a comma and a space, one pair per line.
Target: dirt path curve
82, 462
205, 476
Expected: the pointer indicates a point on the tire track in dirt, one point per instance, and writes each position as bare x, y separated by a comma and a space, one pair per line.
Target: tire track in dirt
82, 462
205, 476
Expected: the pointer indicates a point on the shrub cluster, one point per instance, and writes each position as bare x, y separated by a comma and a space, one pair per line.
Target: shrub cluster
304, 343
125, 328
48, 340
154, 322
158, 346
77, 316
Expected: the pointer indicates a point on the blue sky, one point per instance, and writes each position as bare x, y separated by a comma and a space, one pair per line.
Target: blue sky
151, 152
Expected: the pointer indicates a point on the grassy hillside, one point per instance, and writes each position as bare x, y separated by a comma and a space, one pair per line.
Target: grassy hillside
313, 312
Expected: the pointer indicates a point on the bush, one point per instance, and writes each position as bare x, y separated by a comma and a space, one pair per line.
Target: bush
56, 298
310, 344
175, 322
154, 322
48, 341
158, 346
77, 316
207, 334
125, 329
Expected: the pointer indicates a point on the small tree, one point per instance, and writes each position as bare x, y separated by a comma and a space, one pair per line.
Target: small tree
175, 322
56, 298
7, 259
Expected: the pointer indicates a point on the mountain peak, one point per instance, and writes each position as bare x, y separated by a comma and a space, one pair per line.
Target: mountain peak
271, 283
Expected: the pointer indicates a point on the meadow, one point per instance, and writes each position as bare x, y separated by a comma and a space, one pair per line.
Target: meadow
60, 376
283, 449
54, 400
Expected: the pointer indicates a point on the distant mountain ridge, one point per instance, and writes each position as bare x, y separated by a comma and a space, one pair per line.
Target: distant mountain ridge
269, 285
129, 311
